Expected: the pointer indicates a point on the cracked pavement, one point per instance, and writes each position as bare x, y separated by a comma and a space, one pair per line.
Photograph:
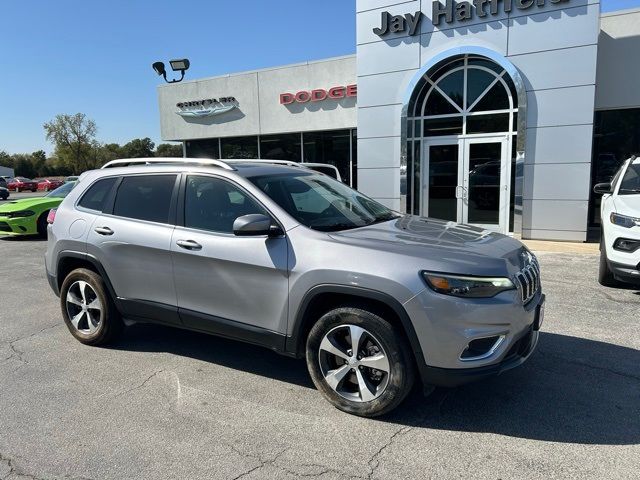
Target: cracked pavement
164, 403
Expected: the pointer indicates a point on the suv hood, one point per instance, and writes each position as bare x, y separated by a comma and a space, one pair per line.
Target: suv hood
441, 246
628, 205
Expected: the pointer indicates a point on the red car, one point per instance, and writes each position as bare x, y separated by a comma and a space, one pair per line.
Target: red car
22, 183
48, 184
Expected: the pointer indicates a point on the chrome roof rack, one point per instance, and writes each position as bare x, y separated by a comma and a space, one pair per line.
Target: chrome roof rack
288, 163
127, 162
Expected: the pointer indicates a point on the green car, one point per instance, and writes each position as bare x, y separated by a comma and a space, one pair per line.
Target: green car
28, 216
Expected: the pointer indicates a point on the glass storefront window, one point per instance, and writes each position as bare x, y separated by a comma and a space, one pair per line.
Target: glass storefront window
208, 148
239, 147
281, 147
616, 138
332, 147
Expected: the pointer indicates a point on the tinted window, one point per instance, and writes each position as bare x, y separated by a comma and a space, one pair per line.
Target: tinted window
322, 203
145, 197
96, 196
213, 204
631, 181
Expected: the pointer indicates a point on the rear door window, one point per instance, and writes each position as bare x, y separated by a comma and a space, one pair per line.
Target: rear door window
145, 197
95, 197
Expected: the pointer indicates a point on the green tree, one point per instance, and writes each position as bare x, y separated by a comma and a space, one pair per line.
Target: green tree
138, 148
74, 138
169, 150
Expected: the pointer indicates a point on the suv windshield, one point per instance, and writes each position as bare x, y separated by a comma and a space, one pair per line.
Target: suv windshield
631, 180
62, 191
321, 203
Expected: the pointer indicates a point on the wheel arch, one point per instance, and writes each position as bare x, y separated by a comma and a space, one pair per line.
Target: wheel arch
69, 261
322, 298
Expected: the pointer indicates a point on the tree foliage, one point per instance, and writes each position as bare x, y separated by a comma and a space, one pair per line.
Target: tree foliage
74, 137
78, 150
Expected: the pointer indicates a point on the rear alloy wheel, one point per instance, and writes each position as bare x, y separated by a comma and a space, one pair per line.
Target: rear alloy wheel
87, 308
359, 362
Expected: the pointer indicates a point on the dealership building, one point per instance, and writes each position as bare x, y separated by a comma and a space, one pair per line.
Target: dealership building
497, 113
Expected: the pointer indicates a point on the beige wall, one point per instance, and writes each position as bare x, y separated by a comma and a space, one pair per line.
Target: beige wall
618, 77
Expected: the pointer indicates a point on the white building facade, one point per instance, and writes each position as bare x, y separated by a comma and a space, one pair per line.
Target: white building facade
498, 113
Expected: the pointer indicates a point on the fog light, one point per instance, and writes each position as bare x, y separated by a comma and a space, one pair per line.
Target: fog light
626, 245
481, 348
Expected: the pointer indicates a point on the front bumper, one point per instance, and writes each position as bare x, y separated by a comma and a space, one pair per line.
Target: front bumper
626, 273
446, 325
18, 226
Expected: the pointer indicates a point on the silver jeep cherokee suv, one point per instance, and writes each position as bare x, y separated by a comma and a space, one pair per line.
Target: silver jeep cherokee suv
288, 258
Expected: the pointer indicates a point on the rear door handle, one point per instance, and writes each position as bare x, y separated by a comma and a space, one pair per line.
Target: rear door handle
189, 245
103, 231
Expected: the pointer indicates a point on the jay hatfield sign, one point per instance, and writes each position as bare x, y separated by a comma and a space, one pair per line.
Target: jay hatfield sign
207, 107
455, 10
318, 95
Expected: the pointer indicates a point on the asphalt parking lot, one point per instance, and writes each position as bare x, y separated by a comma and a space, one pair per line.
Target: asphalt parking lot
17, 196
166, 403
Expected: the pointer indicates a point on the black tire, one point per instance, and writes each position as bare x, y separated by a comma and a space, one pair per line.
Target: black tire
399, 379
34, 190
41, 224
110, 323
605, 275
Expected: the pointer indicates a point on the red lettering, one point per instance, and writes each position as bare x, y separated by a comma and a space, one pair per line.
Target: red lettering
318, 95
352, 90
287, 98
303, 97
337, 93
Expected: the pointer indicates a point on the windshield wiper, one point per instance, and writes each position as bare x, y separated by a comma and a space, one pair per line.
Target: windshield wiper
336, 227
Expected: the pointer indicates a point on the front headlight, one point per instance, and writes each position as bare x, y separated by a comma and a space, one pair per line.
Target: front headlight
624, 221
467, 287
21, 214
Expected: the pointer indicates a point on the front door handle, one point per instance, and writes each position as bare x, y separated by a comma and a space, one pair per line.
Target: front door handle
103, 231
189, 245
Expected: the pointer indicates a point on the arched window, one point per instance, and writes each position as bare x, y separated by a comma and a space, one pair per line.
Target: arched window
465, 96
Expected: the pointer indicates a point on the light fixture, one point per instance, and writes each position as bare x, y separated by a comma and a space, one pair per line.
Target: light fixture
179, 65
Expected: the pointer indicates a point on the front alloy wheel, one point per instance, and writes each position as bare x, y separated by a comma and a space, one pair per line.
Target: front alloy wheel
353, 363
359, 361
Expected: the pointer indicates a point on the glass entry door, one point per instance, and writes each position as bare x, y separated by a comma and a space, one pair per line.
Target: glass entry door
466, 181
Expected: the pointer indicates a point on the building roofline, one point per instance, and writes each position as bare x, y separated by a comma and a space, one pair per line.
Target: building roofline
616, 13
261, 70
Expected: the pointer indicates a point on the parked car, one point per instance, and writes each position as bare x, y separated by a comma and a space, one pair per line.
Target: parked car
72, 178
4, 193
620, 213
28, 216
20, 184
287, 258
48, 184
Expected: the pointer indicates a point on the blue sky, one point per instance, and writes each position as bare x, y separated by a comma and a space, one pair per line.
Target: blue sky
69, 56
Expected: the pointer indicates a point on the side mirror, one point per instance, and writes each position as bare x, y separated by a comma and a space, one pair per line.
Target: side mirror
602, 188
255, 225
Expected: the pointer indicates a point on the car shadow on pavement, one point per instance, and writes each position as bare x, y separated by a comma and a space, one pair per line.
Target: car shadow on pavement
220, 351
571, 390
22, 238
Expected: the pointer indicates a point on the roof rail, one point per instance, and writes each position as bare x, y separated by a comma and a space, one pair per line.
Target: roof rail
127, 162
288, 163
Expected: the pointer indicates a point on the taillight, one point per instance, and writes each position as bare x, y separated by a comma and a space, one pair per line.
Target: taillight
52, 215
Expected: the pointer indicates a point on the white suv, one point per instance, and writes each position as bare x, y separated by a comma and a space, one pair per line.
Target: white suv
620, 244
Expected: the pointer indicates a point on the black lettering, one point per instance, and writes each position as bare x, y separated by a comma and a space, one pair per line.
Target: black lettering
479, 4
508, 6
413, 21
524, 4
463, 11
384, 28
397, 24
440, 11
494, 7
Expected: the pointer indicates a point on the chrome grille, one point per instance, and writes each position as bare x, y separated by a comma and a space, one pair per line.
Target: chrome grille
528, 280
